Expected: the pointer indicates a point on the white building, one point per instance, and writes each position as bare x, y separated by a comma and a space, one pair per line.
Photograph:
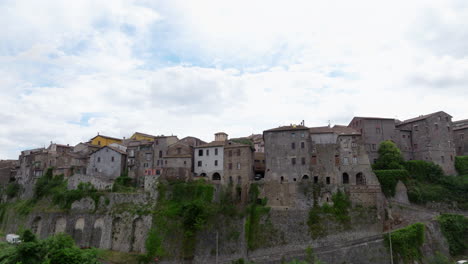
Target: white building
209, 158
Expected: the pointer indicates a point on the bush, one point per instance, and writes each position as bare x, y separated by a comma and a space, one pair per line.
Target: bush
406, 242
389, 178
461, 164
455, 230
49, 184
424, 171
390, 157
255, 210
12, 189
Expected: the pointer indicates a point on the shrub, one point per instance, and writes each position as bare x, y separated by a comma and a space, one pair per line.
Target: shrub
461, 164
12, 189
389, 178
455, 230
406, 242
424, 171
390, 157
255, 210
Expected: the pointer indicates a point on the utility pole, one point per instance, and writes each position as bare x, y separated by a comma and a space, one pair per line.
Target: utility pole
390, 239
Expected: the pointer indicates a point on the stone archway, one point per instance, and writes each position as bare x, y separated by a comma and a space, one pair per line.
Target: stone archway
138, 235
60, 225
216, 177
78, 231
36, 226
360, 179
305, 177
96, 235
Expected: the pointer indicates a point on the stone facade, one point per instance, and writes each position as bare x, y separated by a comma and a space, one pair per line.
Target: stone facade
8, 171
460, 136
140, 158
238, 168
107, 163
178, 161
160, 145
428, 137
209, 160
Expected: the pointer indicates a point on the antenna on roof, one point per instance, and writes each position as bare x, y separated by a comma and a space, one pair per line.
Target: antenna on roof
329, 123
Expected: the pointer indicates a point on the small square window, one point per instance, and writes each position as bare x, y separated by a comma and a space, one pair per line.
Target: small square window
293, 161
199, 164
328, 180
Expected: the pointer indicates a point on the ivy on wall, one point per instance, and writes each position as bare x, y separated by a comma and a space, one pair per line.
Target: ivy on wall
406, 242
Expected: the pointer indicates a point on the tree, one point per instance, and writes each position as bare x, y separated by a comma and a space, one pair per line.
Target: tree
390, 157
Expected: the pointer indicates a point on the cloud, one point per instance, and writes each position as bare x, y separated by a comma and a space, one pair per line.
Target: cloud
70, 70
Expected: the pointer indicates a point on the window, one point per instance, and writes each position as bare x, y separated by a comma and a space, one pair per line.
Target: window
337, 160
303, 161
238, 165
302, 134
230, 166
403, 136
436, 126
179, 150
160, 154
293, 145
216, 162
353, 144
415, 146
99, 143
200, 152
328, 180
238, 152
293, 161
360, 179
216, 151
199, 164
157, 142
314, 160
345, 161
293, 134
448, 129
354, 160
185, 162
158, 162
462, 136
132, 153
302, 145
282, 179
95, 169
451, 157
230, 153
415, 128
99, 159
165, 162
148, 156
112, 159
207, 152
377, 130
345, 178
374, 147
442, 158
315, 179
145, 165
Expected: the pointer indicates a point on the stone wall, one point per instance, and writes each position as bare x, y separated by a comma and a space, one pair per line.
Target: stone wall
98, 183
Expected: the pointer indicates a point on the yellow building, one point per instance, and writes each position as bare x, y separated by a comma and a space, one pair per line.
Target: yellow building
102, 141
142, 136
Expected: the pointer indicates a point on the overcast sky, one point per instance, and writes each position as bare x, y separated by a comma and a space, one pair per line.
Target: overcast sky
70, 69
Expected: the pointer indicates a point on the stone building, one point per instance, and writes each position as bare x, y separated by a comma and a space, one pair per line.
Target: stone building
192, 141
107, 163
238, 168
259, 164
102, 141
428, 137
8, 170
460, 136
140, 158
160, 146
258, 142
209, 159
432, 139
178, 161
332, 158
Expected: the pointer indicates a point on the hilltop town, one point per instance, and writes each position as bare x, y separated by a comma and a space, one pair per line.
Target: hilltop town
281, 161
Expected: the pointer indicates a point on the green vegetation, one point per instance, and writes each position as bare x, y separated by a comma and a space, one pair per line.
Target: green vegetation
461, 164
56, 249
389, 178
245, 141
425, 181
339, 212
12, 189
183, 209
124, 184
440, 259
406, 242
455, 230
116, 257
255, 210
390, 157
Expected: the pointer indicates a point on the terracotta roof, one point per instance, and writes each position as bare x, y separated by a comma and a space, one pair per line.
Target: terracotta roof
370, 117
460, 127
287, 128
178, 156
143, 134
212, 144
419, 118
106, 137
337, 129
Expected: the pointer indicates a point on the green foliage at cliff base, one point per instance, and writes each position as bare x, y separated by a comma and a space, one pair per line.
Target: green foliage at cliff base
455, 229
461, 165
406, 242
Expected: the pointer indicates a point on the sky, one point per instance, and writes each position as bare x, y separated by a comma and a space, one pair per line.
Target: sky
71, 69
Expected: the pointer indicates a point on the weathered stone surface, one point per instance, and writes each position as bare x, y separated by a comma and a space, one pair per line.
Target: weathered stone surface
84, 205
401, 194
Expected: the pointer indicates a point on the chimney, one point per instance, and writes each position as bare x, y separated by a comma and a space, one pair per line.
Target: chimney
221, 136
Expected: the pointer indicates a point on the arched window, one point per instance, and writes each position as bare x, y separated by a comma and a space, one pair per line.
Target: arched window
360, 179
216, 176
305, 177
345, 178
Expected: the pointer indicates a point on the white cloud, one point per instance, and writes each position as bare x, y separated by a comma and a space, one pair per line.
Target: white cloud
70, 70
